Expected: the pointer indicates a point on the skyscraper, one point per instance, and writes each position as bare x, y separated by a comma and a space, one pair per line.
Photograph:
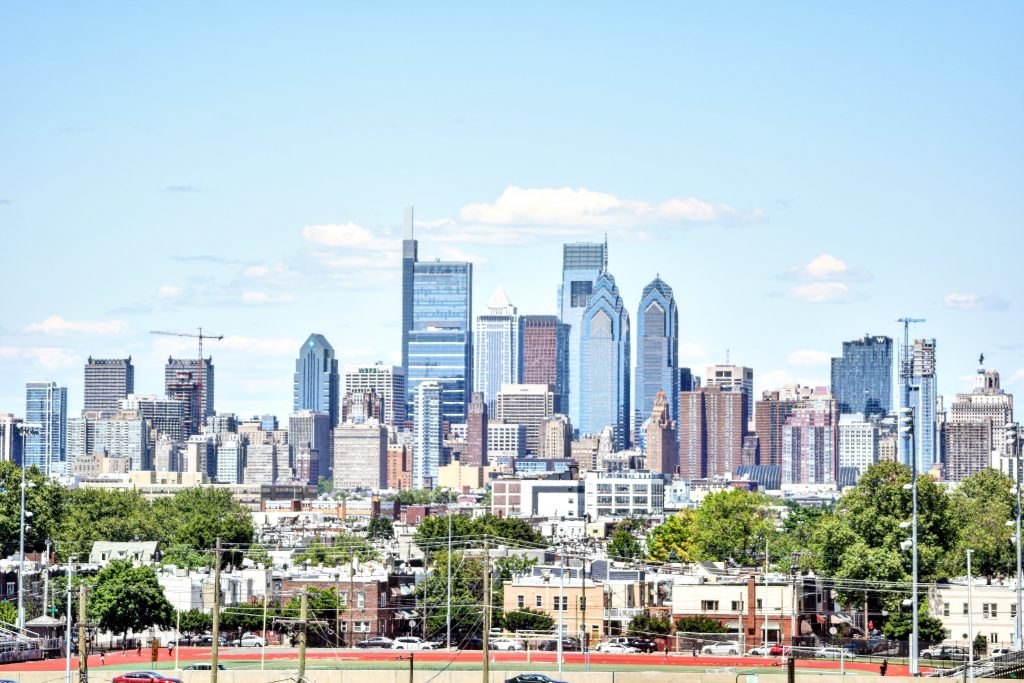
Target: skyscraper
527, 405
360, 456
46, 404
976, 426
771, 414
316, 386
605, 363
810, 441
437, 300
10, 440
183, 378
662, 451
546, 356
386, 381
165, 415
108, 381
497, 348
428, 440
476, 432
313, 430
862, 376
918, 390
858, 442
582, 264
733, 378
657, 353
712, 428
124, 435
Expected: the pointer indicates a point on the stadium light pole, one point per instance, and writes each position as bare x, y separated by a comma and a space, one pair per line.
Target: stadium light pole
906, 427
26, 429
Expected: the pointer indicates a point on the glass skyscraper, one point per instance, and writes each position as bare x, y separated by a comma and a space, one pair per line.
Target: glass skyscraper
862, 377
657, 340
582, 264
46, 404
918, 390
497, 348
605, 363
317, 385
428, 439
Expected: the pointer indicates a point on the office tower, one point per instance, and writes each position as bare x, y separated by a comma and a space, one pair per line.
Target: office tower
201, 455
505, 441
231, 461
546, 355
582, 264
497, 347
968, 447
862, 376
268, 422
858, 442
399, 467
317, 386
733, 378
711, 431
687, 380
313, 430
662, 450
605, 363
386, 381
918, 391
427, 435
361, 405
476, 432
46, 404
167, 457
307, 464
527, 405
165, 415
190, 381
221, 423
261, 464
810, 441
10, 440
360, 456
108, 381
436, 335
556, 437
751, 454
124, 435
986, 401
657, 353
770, 417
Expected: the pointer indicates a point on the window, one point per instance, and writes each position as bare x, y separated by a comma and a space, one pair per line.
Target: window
360, 600
10, 588
520, 601
604, 488
383, 600
583, 604
759, 604
539, 601
344, 599
709, 605
965, 609
989, 609
1013, 610
993, 637
737, 606
555, 603
945, 609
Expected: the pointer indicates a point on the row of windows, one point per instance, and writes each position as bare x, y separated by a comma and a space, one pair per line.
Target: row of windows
539, 600
988, 610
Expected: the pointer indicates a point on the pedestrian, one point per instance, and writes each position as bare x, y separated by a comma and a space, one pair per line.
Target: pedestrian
138, 650
103, 659
170, 648
884, 667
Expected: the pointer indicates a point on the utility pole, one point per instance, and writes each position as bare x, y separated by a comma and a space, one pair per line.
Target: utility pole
83, 644
303, 613
67, 628
266, 597
177, 636
352, 597
764, 600
561, 610
486, 664
215, 626
337, 609
448, 617
970, 618
412, 663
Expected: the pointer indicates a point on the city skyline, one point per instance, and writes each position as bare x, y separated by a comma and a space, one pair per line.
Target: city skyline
865, 207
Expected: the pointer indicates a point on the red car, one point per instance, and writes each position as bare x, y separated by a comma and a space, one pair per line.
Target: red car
144, 677
778, 650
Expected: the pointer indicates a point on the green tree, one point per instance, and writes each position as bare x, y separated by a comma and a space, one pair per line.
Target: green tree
733, 524
346, 547
673, 541
258, 555
505, 568
624, 546
44, 498
196, 517
242, 618
868, 566
648, 625
467, 587
127, 598
186, 556
97, 514
380, 529
324, 484
194, 622
527, 619
699, 625
900, 624
468, 531
8, 612
980, 507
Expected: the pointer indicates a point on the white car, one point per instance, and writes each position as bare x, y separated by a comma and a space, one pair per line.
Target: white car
253, 641
759, 651
618, 648
411, 643
833, 653
504, 644
724, 648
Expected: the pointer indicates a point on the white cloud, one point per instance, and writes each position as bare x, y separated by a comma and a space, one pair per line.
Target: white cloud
828, 268
348, 235
256, 298
1017, 376
776, 379
820, 292
56, 325
168, 292
975, 302
456, 254
809, 357
261, 346
270, 271
691, 351
48, 358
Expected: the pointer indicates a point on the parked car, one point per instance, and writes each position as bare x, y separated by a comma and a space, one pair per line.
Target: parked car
723, 648
1000, 651
945, 652
759, 651
144, 677
376, 641
833, 653
642, 644
411, 643
502, 643
532, 678
253, 641
208, 640
205, 666
474, 643
568, 645
617, 648
778, 650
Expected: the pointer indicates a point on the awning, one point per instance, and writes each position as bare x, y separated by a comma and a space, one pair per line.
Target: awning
407, 614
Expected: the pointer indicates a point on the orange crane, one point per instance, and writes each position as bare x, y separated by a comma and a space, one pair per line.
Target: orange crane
200, 336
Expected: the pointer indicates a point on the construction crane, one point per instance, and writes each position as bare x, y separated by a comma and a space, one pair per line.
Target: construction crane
201, 412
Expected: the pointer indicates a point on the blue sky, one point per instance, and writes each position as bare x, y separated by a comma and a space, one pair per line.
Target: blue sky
799, 173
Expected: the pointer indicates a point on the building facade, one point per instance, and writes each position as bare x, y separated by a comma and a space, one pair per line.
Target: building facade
624, 494
476, 432
360, 456
772, 411
657, 352
582, 264
862, 377
428, 439
497, 348
386, 381
108, 381
190, 380
733, 378
10, 439
858, 442
46, 405
546, 355
316, 385
810, 441
527, 405
711, 431
918, 391
605, 363
662, 450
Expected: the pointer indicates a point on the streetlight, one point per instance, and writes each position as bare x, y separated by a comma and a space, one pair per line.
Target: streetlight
1013, 441
25, 429
906, 425
970, 617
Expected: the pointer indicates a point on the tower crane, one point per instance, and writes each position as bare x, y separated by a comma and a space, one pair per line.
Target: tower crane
201, 335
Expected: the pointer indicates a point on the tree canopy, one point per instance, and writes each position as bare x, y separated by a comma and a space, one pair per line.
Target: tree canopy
127, 598
44, 498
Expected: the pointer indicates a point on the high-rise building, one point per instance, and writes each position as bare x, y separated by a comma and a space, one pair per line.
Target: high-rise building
108, 381
399, 467
497, 347
268, 422
165, 415
976, 426
733, 378
437, 335
201, 455
582, 264
605, 363
862, 376
317, 386
687, 380
527, 405
662, 450
231, 461
968, 447
918, 390
190, 380
546, 356
858, 442
312, 430
46, 404
123, 435
657, 352
10, 439
386, 381
770, 417
360, 456
476, 432
556, 437
361, 405
428, 438
167, 457
307, 464
712, 428
263, 464
810, 441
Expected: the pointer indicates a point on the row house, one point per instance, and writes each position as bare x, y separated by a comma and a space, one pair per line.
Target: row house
757, 613
364, 594
994, 608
